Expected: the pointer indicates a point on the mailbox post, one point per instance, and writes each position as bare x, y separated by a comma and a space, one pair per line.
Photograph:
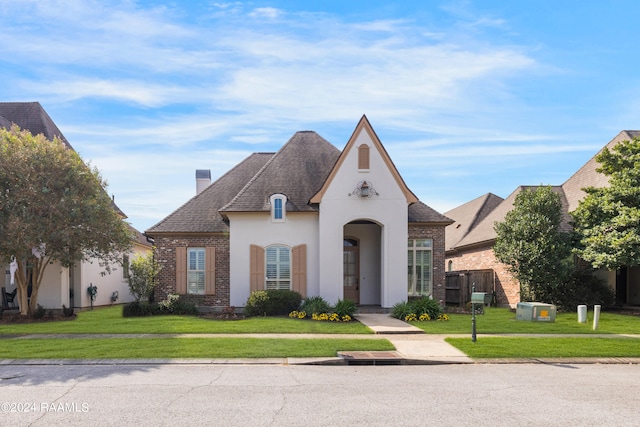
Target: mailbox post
476, 298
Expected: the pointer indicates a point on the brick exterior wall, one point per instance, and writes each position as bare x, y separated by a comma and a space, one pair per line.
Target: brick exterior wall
480, 258
435, 233
166, 249
166, 254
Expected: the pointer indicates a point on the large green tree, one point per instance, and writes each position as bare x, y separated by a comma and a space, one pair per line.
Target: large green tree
607, 220
53, 207
532, 245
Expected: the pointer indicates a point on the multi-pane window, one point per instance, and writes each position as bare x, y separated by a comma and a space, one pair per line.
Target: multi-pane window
420, 267
278, 267
195, 271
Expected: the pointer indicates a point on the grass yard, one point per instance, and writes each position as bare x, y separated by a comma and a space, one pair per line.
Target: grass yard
503, 321
166, 348
524, 347
109, 320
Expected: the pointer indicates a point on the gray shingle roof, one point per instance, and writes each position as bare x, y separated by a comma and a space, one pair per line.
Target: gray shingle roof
419, 212
571, 193
32, 117
200, 213
484, 231
467, 216
587, 176
297, 170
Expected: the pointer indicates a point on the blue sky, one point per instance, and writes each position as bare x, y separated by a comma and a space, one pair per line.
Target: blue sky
468, 97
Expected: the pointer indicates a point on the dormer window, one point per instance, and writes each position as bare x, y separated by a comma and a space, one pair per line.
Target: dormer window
363, 157
278, 207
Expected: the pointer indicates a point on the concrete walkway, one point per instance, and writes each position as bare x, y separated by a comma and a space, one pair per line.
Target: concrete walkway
412, 345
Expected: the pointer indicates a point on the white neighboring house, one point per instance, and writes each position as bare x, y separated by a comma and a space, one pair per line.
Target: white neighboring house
60, 285
310, 218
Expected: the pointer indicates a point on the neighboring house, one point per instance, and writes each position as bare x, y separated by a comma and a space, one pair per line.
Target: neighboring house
470, 239
311, 218
62, 285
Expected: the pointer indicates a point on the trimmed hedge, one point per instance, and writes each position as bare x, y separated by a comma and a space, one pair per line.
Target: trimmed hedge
272, 302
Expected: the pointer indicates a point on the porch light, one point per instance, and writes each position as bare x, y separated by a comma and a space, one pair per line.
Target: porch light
364, 190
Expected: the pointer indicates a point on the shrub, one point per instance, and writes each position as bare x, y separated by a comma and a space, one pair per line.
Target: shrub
272, 302
582, 288
176, 305
345, 308
315, 305
401, 310
139, 309
143, 273
425, 305
418, 309
67, 311
40, 312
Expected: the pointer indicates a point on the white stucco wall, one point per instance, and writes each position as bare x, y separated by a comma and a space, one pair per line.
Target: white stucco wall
248, 229
388, 209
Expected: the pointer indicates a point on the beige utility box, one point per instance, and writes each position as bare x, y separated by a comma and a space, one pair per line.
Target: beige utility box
535, 312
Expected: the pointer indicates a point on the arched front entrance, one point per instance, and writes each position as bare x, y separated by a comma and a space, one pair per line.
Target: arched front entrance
362, 264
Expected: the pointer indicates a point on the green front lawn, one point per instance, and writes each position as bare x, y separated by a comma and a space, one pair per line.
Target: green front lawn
503, 321
109, 320
524, 347
167, 348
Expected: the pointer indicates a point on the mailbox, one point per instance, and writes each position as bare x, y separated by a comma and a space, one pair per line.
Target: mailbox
481, 298
477, 297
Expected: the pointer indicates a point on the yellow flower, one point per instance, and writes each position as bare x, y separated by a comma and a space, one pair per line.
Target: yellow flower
424, 317
443, 317
346, 318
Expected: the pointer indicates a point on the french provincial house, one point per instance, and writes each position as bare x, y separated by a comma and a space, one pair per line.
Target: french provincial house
311, 218
61, 285
470, 238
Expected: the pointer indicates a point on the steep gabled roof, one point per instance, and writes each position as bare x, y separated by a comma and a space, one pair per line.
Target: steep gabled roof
200, 213
467, 216
588, 176
32, 117
484, 232
297, 170
365, 126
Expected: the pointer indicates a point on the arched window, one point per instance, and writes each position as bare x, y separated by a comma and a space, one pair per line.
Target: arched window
278, 207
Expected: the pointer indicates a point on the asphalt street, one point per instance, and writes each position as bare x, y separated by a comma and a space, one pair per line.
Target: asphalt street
285, 395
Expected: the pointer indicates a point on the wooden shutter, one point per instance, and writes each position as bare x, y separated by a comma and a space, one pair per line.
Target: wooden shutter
210, 271
363, 157
256, 262
299, 269
181, 270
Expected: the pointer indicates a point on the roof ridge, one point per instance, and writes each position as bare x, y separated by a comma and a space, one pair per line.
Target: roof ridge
259, 173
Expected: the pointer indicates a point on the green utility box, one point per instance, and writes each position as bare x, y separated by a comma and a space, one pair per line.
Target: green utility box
535, 312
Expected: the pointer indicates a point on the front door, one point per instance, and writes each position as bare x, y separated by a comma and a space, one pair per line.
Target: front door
350, 268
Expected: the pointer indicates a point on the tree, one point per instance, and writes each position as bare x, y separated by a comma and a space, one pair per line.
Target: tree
607, 220
143, 273
530, 242
53, 207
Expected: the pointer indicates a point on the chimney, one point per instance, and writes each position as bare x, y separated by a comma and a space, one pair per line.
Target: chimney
203, 179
